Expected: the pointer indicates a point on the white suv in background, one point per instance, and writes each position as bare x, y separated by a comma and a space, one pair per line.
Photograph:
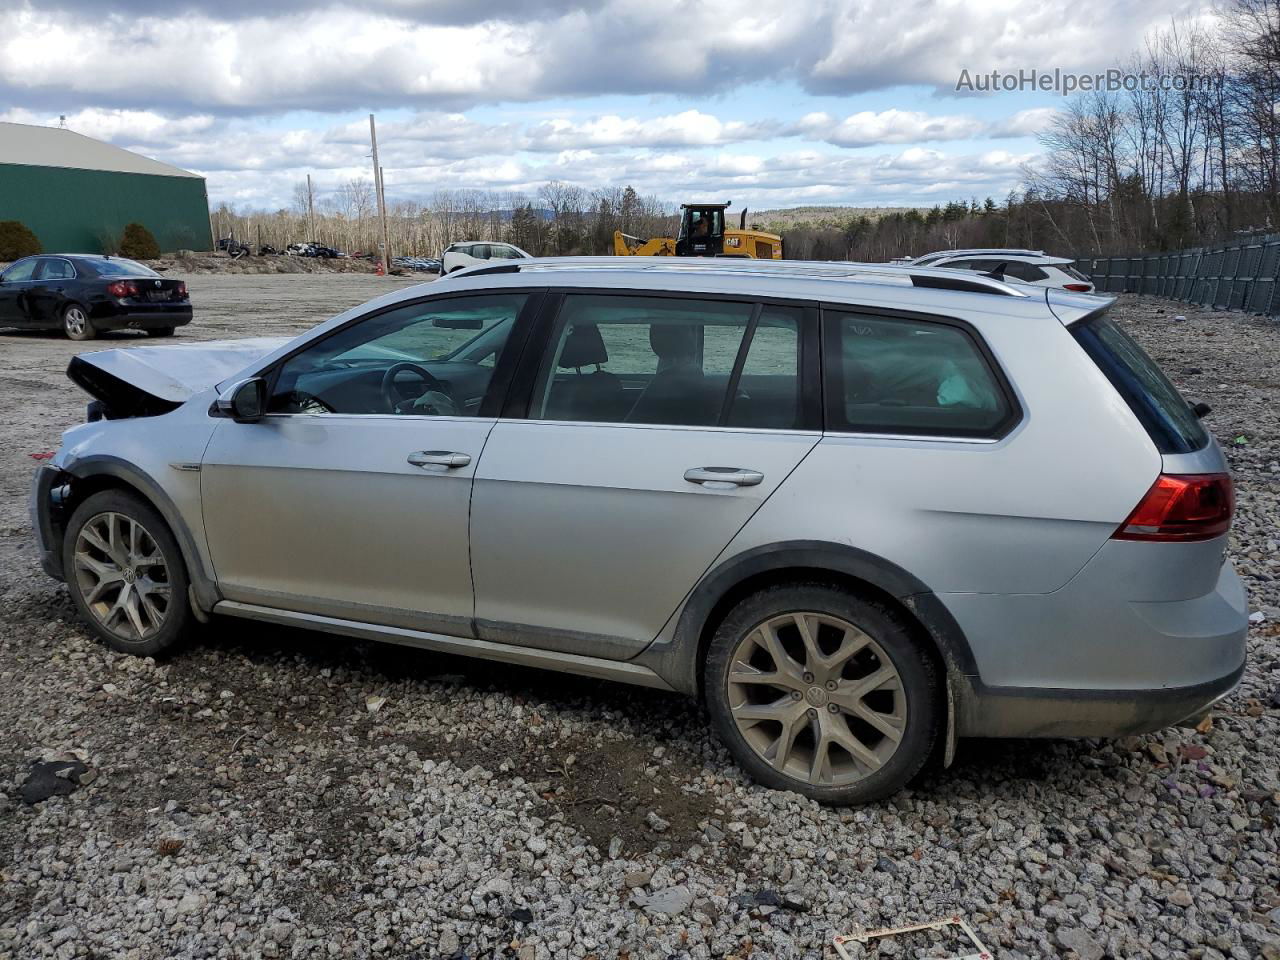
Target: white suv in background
1026, 266
470, 252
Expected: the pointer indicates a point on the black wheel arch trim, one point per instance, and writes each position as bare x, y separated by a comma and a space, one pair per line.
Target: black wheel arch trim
102, 465
677, 660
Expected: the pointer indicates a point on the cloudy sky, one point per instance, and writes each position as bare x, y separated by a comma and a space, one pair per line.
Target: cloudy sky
770, 103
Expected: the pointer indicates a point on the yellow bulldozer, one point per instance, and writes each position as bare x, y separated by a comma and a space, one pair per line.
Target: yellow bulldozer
703, 234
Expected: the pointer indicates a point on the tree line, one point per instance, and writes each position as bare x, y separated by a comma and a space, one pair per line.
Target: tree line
559, 220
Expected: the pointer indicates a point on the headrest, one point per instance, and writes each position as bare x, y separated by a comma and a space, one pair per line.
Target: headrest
674, 342
583, 347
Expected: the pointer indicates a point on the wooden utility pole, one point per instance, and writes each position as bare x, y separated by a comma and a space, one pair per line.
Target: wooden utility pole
311, 210
382, 200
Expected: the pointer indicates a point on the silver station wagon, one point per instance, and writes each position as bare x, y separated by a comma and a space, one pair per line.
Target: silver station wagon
860, 510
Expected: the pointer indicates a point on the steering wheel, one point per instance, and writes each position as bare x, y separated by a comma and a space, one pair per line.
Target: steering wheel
389, 394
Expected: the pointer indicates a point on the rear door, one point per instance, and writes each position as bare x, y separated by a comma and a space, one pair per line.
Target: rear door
648, 431
15, 291
49, 291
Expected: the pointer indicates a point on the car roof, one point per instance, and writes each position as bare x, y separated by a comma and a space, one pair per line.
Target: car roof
936, 290
874, 286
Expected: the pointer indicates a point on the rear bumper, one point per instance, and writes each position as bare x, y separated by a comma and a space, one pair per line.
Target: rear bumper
1051, 712
1090, 664
140, 316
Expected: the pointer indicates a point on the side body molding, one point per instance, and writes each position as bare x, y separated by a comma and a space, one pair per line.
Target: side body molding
677, 654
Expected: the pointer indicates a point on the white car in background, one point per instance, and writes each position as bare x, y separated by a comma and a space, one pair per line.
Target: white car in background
468, 253
1026, 266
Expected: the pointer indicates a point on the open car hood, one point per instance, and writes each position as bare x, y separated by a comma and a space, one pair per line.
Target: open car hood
150, 380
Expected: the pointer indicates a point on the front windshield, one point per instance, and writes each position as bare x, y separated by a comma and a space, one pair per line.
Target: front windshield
115, 267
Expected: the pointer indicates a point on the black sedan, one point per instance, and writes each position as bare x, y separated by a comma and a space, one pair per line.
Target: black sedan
81, 295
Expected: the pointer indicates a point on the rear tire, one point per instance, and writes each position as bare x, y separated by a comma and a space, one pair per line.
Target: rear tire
817, 690
126, 574
160, 332
76, 323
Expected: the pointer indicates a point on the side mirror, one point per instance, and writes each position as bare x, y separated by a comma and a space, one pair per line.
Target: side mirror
245, 401
458, 323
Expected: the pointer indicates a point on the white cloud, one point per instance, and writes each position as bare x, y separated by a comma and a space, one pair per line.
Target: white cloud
889, 126
214, 57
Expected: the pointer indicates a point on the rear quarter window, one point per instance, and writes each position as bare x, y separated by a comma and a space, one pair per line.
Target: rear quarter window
1154, 400
900, 375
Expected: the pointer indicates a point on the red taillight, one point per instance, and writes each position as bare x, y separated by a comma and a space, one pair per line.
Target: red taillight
1078, 287
1182, 507
182, 290
122, 288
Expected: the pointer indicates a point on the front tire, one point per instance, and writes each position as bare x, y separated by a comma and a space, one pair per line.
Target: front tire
76, 323
817, 690
126, 574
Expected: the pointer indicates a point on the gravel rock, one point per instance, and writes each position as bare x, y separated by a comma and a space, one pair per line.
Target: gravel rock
288, 820
1085, 947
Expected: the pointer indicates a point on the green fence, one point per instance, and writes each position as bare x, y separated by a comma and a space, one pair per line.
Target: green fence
1240, 275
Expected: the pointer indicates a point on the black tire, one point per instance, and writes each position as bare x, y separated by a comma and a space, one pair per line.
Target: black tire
177, 616
160, 332
889, 629
76, 323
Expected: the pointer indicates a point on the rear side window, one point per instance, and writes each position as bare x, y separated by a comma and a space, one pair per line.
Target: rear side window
1021, 270
55, 270
665, 360
909, 376
1167, 417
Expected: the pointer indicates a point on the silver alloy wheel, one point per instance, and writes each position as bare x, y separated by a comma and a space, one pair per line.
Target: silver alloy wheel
817, 698
122, 576
75, 321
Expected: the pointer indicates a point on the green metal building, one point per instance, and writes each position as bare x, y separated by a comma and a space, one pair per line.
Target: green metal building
77, 194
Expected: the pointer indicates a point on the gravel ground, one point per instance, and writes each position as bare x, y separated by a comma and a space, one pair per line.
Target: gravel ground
277, 793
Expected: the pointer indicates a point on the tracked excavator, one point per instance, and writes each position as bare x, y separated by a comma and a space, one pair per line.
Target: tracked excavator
703, 234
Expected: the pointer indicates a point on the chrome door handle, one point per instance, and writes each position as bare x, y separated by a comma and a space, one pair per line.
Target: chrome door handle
734, 476
439, 458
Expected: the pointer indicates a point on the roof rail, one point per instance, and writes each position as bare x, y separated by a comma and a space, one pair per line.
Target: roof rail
926, 277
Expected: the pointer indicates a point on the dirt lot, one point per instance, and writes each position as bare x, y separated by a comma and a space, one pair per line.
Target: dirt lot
277, 793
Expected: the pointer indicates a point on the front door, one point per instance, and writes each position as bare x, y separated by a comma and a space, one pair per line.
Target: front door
350, 498
656, 427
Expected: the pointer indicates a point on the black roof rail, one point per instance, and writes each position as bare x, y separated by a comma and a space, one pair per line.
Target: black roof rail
500, 268
958, 283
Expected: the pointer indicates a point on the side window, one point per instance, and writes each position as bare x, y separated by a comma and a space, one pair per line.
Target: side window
768, 390
52, 268
481, 251
22, 270
1028, 272
658, 360
893, 375
423, 359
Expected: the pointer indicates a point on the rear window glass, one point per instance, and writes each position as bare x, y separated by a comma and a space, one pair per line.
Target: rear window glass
1070, 270
906, 376
116, 267
1167, 417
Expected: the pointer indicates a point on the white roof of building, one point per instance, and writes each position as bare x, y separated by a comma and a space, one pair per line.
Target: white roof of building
56, 147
